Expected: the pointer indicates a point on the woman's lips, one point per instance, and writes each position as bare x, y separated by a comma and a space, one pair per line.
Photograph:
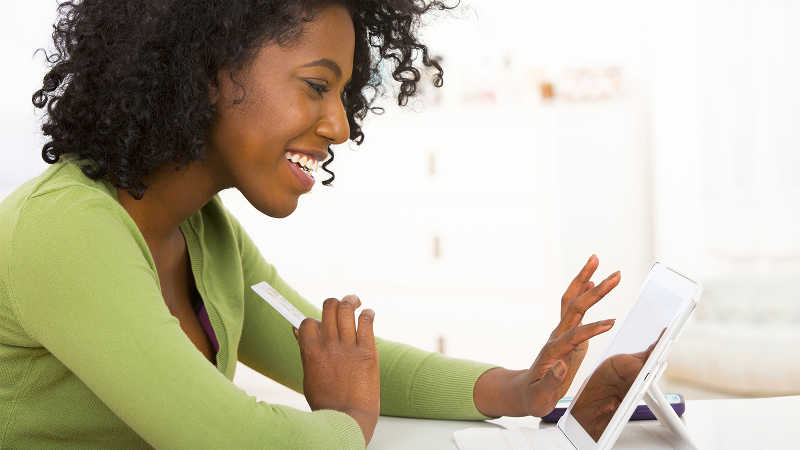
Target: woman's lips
305, 179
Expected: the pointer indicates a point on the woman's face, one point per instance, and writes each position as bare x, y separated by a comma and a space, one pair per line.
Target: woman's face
291, 104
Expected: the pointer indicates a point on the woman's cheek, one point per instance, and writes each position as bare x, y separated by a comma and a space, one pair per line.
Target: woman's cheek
301, 113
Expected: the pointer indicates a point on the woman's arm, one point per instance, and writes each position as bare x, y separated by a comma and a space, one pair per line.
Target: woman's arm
413, 383
85, 289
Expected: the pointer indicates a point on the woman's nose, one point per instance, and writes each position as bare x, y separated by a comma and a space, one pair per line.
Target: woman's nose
334, 125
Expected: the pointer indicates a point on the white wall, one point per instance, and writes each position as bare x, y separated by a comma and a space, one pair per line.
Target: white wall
26, 27
725, 113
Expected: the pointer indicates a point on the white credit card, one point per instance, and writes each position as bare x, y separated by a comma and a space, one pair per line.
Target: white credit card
279, 302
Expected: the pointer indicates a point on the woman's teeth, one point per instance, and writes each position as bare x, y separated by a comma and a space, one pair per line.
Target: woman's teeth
305, 163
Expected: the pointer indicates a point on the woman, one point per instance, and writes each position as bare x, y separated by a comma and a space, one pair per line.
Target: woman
124, 282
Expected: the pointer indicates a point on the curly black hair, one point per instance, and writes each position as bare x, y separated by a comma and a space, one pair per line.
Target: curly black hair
127, 89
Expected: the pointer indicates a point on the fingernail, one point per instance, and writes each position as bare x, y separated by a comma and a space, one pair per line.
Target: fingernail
559, 369
609, 322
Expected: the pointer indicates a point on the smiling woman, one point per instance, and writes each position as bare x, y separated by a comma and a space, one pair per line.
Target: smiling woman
124, 282
130, 101
292, 105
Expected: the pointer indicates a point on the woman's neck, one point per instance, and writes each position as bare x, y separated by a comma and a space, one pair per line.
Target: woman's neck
170, 199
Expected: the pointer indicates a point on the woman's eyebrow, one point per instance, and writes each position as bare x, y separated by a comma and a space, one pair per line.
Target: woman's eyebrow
325, 62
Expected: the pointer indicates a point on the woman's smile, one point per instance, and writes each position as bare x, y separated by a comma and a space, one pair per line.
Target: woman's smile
304, 165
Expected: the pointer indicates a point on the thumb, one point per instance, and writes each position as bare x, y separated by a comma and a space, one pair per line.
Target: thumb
557, 372
548, 389
550, 384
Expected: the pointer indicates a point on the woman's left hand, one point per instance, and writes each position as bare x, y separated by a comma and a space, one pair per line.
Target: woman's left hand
535, 391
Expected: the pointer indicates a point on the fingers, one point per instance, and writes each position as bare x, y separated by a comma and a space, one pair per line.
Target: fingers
338, 321
586, 332
586, 287
365, 335
578, 307
355, 299
308, 331
329, 328
580, 334
347, 321
574, 288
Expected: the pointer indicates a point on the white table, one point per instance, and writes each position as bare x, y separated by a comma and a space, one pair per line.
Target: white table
763, 423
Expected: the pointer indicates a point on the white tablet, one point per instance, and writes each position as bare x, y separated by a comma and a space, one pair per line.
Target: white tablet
635, 356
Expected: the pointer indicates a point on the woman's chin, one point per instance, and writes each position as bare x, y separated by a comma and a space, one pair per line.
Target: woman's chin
281, 214
277, 211
271, 202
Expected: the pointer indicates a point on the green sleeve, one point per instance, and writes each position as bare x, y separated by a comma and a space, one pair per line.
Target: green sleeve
414, 383
86, 289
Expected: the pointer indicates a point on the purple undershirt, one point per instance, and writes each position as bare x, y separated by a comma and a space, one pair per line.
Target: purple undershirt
202, 315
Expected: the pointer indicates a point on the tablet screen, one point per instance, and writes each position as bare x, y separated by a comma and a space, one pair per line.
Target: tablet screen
605, 389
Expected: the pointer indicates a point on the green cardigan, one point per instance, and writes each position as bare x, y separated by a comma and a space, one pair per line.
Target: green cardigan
90, 356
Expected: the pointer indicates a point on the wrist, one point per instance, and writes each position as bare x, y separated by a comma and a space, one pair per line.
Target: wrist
501, 392
367, 421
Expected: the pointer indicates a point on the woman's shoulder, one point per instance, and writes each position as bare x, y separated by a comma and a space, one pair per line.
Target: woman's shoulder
59, 192
58, 221
59, 208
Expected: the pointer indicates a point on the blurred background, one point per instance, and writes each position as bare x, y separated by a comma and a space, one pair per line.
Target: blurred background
640, 131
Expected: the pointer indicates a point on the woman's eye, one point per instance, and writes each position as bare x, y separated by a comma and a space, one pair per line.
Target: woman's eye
320, 88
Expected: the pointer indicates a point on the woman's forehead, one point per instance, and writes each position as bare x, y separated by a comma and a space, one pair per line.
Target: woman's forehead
330, 31
328, 41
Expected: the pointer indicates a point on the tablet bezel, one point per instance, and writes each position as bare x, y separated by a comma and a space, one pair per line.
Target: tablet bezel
687, 289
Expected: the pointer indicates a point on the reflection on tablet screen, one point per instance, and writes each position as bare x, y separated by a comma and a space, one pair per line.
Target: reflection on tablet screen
595, 406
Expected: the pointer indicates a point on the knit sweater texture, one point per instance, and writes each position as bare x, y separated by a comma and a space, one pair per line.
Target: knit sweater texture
91, 357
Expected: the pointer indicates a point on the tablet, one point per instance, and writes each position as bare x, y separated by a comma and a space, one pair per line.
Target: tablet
635, 356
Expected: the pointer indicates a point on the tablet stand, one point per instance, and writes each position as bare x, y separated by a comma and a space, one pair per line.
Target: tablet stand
663, 411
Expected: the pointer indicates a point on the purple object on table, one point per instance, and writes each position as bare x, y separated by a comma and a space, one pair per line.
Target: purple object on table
642, 412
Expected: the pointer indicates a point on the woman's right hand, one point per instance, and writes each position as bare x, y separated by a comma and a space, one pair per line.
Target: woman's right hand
340, 363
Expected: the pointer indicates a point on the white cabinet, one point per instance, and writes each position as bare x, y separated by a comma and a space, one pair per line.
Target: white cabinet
465, 184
